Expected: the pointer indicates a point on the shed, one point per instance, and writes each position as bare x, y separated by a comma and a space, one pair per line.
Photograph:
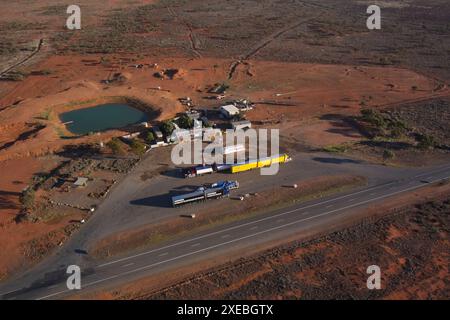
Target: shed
229, 111
81, 182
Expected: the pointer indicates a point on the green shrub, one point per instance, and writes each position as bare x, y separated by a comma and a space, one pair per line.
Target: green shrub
137, 147
398, 128
27, 198
15, 76
46, 115
335, 149
425, 141
44, 72
167, 128
388, 155
373, 117
149, 137
185, 122
116, 146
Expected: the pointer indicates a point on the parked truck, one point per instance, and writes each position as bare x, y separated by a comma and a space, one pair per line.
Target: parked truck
213, 191
221, 167
197, 171
236, 168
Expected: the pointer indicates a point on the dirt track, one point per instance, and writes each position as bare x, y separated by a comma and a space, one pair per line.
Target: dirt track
264, 43
28, 58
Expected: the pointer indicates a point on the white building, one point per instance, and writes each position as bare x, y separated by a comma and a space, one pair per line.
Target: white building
229, 111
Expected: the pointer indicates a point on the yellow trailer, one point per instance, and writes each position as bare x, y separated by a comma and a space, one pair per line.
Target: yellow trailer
241, 167
253, 164
267, 162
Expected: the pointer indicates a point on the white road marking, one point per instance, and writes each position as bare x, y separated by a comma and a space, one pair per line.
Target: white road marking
280, 220
195, 245
432, 172
242, 238
12, 291
254, 228
52, 295
330, 206
163, 254
225, 236
128, 265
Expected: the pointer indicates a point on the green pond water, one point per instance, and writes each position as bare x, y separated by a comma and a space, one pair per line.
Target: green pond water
101, 118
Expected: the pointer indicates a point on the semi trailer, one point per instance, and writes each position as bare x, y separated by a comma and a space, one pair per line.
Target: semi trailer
213, 191
259, 163
236, 168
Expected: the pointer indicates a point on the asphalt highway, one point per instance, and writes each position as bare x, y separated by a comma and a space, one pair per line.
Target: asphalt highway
273, 225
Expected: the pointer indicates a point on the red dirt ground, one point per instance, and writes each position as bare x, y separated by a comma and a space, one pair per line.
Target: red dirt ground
15, 237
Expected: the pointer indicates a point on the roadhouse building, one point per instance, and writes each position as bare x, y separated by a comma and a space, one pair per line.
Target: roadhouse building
229, 111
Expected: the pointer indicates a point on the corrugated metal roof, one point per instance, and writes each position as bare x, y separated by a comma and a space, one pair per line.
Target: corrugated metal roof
230, 108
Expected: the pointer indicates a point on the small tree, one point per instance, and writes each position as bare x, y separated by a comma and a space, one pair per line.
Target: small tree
398, 128
388, 155
149, 137
167, 128
425, 141
27, 198
185, 122
137, 147
116, 146
373, 117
